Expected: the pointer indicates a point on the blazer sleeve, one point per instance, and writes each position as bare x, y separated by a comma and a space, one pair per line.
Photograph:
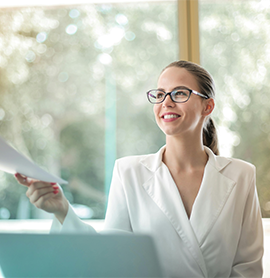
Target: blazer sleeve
72, 224
248, 259
117, 215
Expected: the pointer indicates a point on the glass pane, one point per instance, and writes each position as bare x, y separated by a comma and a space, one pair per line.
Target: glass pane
235, 48
73, 85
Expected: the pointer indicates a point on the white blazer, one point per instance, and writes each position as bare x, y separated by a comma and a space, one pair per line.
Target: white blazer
222, 238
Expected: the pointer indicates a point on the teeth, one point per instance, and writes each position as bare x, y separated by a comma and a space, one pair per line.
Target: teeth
170, 116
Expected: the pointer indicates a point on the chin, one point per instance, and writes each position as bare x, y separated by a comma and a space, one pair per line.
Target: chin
168, 132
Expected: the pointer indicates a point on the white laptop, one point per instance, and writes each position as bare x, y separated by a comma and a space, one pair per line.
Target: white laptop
78, 255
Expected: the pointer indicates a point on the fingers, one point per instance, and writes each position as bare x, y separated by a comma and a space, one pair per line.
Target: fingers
44, 195
34, 195
23, 179
41, 200
40, 186
39, 192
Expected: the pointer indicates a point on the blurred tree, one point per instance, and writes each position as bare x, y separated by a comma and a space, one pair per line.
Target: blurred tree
235, 49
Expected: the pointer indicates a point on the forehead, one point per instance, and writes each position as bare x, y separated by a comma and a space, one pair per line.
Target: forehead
174, 77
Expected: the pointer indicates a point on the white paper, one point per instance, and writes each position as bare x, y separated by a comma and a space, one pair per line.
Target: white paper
13, 162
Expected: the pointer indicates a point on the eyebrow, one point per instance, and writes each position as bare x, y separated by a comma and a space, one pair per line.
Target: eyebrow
175, 88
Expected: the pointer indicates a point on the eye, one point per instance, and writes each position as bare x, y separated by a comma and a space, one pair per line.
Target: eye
181, 93
159, 95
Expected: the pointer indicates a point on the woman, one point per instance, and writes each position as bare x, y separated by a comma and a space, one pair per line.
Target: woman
201, 209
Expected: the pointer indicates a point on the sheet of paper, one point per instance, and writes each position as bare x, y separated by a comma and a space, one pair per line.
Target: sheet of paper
13, 162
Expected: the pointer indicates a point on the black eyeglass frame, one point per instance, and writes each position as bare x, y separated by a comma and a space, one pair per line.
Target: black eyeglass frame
175, 90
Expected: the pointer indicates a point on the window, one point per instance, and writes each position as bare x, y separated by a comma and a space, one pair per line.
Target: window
234, 43
73, 82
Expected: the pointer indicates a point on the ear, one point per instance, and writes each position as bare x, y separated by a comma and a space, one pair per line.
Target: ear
209, 106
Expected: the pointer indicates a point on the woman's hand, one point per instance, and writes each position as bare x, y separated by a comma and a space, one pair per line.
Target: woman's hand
46, 196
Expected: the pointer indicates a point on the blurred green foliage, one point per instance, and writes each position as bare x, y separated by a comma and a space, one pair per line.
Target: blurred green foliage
54, 64
235, 48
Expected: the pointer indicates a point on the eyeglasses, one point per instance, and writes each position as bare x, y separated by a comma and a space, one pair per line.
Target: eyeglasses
179, 95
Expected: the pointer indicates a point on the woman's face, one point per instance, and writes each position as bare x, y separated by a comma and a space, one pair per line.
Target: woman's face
176, 119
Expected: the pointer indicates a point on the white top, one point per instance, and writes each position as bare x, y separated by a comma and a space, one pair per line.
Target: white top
222, 238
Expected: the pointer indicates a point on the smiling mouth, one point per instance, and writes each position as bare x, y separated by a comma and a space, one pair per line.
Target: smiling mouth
171, 116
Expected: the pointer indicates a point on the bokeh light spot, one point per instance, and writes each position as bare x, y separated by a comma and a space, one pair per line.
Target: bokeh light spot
30, 56
63, 77
121, 19
130, 36
4, 213
71, 29
105, 58
41, 37
2, 114
74, 13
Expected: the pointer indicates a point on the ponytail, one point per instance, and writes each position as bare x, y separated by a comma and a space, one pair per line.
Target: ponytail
210, 139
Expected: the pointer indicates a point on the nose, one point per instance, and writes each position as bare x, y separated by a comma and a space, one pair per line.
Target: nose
168, 102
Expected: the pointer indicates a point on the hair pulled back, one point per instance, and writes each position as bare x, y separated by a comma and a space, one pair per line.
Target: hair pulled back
207, 87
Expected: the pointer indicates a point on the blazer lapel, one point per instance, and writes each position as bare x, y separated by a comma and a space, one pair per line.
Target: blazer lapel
213, 194
162, 189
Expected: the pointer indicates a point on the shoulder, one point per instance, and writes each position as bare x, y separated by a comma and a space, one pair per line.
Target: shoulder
239, 170
222, 163
131, 161
133, 169
238, 164
232, 168
244, 164
150, 162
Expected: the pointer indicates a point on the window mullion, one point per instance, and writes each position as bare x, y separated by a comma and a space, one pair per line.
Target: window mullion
188, 24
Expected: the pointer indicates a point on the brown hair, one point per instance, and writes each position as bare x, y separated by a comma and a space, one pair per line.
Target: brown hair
207, 87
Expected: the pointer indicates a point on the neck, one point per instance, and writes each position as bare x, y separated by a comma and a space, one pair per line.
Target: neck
184, 153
